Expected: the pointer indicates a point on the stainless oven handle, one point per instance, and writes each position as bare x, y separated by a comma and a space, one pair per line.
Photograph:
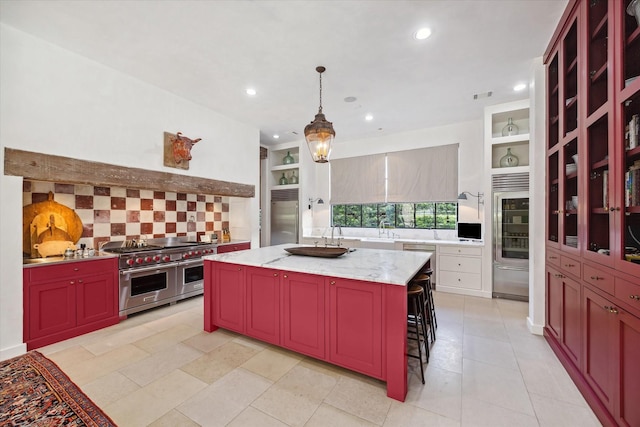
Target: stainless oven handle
192, 262
144, 270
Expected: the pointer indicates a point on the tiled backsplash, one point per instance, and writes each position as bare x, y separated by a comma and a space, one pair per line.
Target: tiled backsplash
113, 213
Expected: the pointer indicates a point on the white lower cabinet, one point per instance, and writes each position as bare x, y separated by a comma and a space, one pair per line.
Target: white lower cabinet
459, 268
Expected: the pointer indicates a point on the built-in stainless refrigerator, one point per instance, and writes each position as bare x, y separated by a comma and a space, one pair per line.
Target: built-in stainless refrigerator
284, 222
511, 245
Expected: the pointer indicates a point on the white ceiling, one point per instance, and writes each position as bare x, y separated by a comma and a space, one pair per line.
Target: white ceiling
211, 51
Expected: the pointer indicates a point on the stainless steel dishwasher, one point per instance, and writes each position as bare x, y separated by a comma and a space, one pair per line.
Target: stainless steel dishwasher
424, 247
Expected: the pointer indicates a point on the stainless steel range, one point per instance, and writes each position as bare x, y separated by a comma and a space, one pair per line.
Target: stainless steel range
158, 271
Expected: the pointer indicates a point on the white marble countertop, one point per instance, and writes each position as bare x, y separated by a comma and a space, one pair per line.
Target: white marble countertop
402, 240
373, 265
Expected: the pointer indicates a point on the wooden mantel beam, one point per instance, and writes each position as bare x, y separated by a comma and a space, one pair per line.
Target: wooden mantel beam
47, 167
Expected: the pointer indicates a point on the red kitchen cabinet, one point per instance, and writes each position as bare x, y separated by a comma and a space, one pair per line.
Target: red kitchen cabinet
69, 299
612, 351
303, 313
263, 304
593, 153
563, 313
232, 247
51, 309
355, 325
229, 298
599, 341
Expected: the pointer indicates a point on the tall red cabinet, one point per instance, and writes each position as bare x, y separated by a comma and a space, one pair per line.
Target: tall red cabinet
593, 204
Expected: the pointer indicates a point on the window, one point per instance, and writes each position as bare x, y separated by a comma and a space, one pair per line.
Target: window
439, 215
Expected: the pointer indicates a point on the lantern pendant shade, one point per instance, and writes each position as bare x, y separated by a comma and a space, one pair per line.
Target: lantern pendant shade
319, 133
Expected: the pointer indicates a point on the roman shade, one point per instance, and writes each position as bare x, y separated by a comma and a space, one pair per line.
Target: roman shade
358, 180
423, 175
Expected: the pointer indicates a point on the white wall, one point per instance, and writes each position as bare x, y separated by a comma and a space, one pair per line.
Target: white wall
470, 171
56, 102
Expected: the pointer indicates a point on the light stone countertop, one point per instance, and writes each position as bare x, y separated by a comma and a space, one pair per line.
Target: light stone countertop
465, 242
372, 265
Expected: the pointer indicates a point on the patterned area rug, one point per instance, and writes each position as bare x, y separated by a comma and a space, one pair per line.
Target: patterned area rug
35, 392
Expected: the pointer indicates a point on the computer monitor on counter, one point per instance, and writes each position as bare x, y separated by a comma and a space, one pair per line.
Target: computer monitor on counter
469, 231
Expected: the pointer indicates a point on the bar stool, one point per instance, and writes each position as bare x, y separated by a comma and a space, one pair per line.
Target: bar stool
424, 280
416, 319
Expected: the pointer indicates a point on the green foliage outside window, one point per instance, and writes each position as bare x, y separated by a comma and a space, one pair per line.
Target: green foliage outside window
397, 215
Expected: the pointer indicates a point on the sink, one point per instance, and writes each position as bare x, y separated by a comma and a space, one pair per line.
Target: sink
377, 243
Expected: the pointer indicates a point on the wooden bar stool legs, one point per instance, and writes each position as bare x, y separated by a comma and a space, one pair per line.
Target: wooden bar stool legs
424, 281
416, 319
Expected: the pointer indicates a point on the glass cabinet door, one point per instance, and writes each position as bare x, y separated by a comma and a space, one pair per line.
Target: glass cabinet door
569, 194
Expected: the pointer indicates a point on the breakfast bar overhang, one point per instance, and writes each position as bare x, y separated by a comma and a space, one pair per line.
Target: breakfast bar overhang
350, 311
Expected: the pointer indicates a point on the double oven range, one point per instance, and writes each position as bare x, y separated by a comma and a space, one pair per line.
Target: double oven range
158, 271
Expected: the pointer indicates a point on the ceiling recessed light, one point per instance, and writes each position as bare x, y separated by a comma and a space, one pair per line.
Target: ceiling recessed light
350, 99
422, 33
519, 87
368, 117
251, 91
276, 136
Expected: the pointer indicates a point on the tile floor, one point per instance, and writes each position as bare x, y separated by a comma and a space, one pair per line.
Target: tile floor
159, 368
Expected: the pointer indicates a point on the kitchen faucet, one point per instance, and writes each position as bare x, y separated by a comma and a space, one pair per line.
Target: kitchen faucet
381, 228
339, 234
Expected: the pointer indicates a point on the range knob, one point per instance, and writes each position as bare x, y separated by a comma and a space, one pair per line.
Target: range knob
139, 260
197, 253
147, 259
156, 258
166, 258
129, 262
186, 255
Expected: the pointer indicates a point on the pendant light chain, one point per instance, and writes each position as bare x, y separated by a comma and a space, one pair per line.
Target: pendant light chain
320, 110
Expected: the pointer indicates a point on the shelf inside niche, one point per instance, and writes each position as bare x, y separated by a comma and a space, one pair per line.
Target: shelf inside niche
519, 148
290, 166
520, 118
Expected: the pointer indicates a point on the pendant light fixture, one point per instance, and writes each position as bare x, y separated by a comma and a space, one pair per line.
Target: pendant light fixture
319, 133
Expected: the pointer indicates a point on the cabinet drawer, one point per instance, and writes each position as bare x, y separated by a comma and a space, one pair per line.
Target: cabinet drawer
459, 250
598, 278
460, 280
570, 265
553, 258
460, 264
628, 292
71, 269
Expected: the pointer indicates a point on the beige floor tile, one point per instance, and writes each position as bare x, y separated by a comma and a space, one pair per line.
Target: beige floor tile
174, 418
476, 413
109, 388
327, 415
549, 380
286, 406
160, 364
136, 409
207, 341
443, 299
175, 388
272, 363
482, 308
532, 347
552, 412
253, 417
297, 395
446, 354
219, 362
450, 331
223, 400
489, 351
406, 415
251, 343
493, 329
119, 338
441, 394
166, 338
69, 357
89, 370
496, 385
360, 399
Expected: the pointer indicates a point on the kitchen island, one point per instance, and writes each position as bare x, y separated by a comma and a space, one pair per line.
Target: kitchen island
350, 311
